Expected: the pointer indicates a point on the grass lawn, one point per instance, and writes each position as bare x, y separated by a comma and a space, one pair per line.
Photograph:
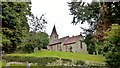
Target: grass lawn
68, 55
2, 63
18, 65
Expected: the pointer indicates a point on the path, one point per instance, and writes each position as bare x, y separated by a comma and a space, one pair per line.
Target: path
8, 64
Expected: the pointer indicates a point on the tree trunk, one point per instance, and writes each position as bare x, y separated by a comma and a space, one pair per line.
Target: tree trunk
105, 23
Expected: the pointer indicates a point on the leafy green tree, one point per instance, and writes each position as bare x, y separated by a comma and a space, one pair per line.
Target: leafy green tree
38, 40
15, 31
14, 21
99, 15
112, 46
99, 47
28, 43
42, 40
35, 38
89, 40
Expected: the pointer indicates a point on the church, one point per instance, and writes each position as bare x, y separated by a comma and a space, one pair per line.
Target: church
66, 44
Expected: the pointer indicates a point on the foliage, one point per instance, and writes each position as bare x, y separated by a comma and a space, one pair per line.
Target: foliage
89, 40
37, 24
113, 35
38, 60
84, 12
52, 61
99, 16
80, 63
26, 44
41, 39
14, 21
15, 31
113, 57
67, 55
34, 40
99, 47
112, 46
93, 12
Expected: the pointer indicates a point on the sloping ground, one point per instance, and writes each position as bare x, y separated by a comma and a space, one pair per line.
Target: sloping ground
2, 64
68, 55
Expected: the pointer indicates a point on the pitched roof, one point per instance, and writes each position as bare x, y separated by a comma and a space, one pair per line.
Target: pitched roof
72, 40
57, 41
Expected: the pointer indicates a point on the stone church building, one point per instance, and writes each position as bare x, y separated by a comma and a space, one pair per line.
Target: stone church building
66, 44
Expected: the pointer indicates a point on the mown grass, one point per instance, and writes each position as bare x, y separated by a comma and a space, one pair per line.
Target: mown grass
2, 63
68, 55
18, 66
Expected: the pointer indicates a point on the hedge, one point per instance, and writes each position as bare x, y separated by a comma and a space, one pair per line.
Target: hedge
39, 60
49, 61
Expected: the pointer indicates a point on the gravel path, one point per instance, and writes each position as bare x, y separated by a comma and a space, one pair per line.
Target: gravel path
8, 64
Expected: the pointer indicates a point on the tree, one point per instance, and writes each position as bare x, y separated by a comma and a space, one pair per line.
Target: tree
35, 38
14, 21
112, 46
89, 40
99, 15
37, 24
15, 31
42, 40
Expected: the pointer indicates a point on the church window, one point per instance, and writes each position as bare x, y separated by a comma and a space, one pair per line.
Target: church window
81, 44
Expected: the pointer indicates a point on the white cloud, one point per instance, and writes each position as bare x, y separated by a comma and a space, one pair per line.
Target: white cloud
57, 13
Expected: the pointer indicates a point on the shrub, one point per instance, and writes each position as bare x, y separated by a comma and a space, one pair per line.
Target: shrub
42, 61
80, 62
112, 46
38, 60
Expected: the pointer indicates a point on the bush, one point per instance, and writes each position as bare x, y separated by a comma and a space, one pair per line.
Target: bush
113, 59
38, 60
112, 46
66, 60
42, 61
80, 62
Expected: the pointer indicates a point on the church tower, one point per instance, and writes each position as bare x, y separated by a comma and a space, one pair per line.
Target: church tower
54, 34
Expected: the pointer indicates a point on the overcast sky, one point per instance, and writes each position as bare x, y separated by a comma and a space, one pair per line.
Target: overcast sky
57, 13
